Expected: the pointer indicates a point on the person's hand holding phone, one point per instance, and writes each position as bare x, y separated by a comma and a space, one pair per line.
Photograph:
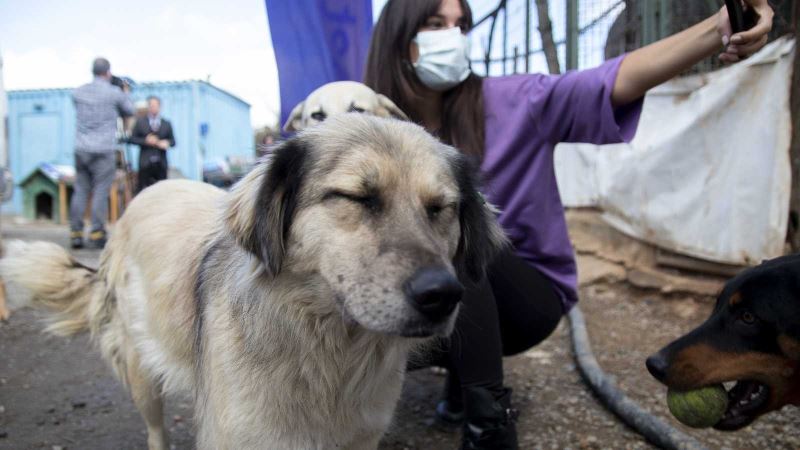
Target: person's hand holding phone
758, 15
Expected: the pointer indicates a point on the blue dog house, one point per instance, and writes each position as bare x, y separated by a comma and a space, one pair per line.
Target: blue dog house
208, 123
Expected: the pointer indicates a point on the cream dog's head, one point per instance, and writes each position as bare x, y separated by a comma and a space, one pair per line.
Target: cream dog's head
381, 214
340, 97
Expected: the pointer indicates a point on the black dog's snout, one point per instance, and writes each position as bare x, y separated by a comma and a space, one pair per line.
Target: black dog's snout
657, 366
434, 292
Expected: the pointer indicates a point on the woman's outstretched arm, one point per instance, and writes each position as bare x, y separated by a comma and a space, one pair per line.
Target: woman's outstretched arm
660, 61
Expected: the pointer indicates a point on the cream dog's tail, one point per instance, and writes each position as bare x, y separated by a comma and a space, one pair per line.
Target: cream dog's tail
56, 282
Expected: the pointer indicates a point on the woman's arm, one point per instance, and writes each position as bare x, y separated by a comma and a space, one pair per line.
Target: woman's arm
656, 63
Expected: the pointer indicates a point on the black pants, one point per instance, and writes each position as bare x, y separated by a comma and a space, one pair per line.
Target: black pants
152, 168
513, 309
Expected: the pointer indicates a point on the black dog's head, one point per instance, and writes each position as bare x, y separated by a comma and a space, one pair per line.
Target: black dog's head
752, 337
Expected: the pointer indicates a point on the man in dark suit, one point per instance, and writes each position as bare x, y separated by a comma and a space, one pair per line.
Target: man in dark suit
153, 135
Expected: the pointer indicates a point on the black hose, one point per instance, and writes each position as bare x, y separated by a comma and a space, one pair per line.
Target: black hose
644, 423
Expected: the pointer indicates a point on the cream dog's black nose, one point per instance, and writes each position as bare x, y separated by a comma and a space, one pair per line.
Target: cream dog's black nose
434, 292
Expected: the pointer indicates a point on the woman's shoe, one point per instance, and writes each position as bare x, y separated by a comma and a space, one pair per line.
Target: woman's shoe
490, 420
447, 418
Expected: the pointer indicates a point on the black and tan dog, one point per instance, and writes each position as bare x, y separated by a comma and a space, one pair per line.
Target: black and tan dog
752, 337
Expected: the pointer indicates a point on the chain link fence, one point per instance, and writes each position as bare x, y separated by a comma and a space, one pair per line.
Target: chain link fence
520, 36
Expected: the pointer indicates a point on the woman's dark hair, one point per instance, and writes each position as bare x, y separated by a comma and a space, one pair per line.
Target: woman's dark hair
389, 72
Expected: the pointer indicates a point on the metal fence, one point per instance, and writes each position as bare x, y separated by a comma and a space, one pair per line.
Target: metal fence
519, 36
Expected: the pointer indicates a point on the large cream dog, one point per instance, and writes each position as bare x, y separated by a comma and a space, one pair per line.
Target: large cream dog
289, 305
340, 97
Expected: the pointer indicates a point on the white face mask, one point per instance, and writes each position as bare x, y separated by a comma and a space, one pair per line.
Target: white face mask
443, 58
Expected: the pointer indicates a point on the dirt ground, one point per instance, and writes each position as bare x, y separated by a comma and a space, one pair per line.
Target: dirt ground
57, 393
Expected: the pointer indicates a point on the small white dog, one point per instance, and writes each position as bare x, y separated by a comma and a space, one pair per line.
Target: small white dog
337, 98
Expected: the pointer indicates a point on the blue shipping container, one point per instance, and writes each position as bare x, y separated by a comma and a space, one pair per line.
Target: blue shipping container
208, 123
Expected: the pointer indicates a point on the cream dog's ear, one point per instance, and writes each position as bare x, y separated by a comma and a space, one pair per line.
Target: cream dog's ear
482, 238
261, 206
295, 120
387, 108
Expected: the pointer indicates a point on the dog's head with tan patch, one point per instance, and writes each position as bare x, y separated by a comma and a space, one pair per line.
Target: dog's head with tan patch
752, 338
340, 97
389, 219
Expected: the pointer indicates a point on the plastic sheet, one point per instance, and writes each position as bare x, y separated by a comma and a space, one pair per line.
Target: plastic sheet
708, 172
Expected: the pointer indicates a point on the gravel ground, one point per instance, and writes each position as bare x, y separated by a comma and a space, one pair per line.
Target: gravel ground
57, 392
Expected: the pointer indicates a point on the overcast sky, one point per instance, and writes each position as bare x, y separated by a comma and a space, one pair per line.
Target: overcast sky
51, 43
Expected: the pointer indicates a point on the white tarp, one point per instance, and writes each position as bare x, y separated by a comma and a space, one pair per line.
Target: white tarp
708, 172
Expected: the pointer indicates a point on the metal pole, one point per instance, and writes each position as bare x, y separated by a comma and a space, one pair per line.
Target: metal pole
516, 55
487, 57
663, 19
648, 10
572, 34
527, 35
491, 37
794, 150
505, 36
641, 5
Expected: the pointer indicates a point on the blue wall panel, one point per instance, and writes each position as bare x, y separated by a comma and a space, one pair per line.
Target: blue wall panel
217, 108
42, 127
38, 131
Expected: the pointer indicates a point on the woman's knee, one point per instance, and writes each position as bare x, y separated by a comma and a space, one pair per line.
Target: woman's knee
518, 338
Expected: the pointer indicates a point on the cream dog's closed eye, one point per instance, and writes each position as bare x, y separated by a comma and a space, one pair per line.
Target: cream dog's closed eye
340, 97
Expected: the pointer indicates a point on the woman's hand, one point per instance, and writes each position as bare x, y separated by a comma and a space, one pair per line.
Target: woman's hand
743, 44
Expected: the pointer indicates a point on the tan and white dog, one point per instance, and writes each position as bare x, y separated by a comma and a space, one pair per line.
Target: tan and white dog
288, 306
340, 97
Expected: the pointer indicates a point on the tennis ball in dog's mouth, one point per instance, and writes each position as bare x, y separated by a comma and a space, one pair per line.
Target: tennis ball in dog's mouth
698, 408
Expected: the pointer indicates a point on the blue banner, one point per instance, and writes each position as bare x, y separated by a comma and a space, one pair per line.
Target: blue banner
316, 42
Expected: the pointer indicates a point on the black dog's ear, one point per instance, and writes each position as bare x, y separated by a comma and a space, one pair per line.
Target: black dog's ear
789, 343
482, 238
789, 330
262, 205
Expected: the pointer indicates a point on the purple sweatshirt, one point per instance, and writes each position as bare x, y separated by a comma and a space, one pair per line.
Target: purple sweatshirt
526, 116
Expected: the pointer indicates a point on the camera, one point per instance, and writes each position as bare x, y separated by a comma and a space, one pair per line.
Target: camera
121, 82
